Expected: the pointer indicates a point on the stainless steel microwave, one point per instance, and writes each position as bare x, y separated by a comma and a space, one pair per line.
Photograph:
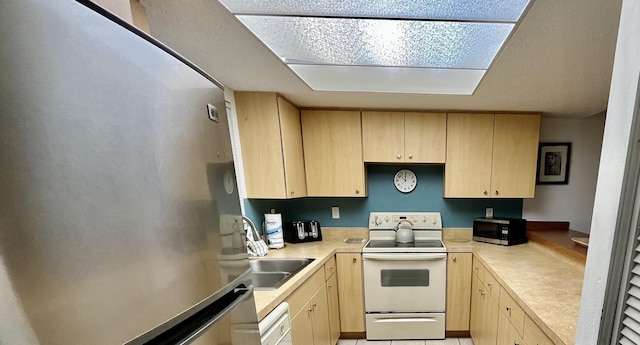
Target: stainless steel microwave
500, 230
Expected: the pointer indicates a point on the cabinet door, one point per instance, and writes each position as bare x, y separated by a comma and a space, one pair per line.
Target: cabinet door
333, 153
320, 318
302, 327
515, 150
425, 137
350, 288
477, 321
259, 127
334, 308
458, 291
491, 319
507, 335
296, 184
469, 149
383, 137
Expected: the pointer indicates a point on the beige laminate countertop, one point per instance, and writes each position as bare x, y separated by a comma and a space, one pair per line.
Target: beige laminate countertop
332, 242
546, 284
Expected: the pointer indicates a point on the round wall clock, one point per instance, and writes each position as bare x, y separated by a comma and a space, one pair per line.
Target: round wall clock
405, 180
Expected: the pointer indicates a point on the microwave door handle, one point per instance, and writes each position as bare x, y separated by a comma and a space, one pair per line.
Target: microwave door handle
401, 257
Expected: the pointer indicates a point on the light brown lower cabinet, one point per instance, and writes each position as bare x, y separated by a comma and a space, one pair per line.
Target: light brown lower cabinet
334, 308
458, 291
350, 292
507, 335
496, 317
484, 314
311, 325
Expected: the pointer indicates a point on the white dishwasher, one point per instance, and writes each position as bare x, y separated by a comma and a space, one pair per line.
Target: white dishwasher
275, 328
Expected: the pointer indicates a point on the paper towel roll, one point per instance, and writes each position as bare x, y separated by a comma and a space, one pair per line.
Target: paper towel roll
273, 226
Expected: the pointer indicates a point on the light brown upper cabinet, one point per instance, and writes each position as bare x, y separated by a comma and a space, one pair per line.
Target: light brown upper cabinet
491, 156
333, 153
271, 140
398, 137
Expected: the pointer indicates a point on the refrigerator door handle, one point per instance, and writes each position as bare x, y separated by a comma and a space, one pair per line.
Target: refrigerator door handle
188, 330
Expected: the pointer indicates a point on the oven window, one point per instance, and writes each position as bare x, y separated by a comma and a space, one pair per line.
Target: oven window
404, 277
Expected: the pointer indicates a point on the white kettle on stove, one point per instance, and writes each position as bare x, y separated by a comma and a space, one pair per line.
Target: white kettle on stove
404, 232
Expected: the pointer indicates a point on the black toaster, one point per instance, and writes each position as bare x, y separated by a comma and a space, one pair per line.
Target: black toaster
299, 231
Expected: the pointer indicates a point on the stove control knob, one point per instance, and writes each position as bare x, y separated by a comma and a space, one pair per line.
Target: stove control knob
377, 220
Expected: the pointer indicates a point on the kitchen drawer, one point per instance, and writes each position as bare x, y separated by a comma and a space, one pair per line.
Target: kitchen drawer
533, 335
492, 285
478, 269
512, 311
330, 268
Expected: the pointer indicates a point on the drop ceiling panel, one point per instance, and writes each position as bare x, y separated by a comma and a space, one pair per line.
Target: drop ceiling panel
389, 79
379, 42
471, 10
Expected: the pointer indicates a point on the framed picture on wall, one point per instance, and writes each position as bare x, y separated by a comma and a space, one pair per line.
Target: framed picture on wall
553, 163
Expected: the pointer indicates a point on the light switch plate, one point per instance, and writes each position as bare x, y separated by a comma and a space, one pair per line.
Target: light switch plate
335, 212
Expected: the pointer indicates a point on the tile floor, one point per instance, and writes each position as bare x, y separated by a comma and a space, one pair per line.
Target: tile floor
448, 341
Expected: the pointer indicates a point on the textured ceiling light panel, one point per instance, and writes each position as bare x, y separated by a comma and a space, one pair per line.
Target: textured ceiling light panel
389, 79
469, 10
379, 42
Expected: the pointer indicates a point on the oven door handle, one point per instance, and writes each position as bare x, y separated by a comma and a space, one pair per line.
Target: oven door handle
405, 257
406, 319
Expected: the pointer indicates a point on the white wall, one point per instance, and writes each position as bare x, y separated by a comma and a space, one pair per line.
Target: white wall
572, 202
622, 100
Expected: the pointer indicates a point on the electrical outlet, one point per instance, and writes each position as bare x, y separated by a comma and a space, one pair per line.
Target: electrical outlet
488, 212
335, 212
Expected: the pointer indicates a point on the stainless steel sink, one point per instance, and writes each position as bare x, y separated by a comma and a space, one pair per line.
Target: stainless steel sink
269, 280
272, 273
278, 265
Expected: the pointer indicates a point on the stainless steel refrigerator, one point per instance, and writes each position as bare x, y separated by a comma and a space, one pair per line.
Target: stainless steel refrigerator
119, 214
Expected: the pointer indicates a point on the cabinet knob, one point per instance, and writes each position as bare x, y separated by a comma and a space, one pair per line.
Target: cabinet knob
291, 192
482, 292
485, 192
454, 259
357, 191
496, 192
399, 156
410, 156
508, 308
354, 260
516, 343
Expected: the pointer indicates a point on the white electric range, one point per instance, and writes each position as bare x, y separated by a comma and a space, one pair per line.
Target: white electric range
405, 283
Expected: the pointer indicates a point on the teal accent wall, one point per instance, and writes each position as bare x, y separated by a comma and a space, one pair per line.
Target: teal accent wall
384, 197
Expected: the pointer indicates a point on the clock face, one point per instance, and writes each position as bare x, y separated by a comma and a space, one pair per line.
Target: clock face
405, 180
229, 183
